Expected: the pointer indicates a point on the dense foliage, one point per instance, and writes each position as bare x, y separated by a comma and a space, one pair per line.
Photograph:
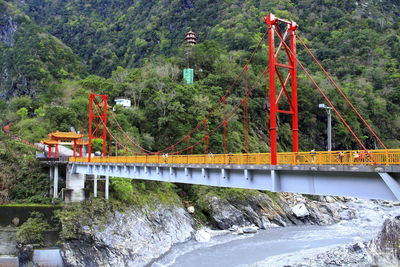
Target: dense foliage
142, 193
53, 53
21, 176
31, 231
31, 58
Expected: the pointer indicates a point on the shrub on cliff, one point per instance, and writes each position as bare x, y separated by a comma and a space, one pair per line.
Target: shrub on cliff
142, 193
31, 232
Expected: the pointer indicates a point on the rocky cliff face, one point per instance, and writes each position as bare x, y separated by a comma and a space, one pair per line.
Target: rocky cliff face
132, 238
7, 30
29, 56
264, 211
137, 237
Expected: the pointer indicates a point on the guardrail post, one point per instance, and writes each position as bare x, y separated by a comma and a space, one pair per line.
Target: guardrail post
351, 161
387, 157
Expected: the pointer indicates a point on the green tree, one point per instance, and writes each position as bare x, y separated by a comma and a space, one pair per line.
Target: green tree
31, 231
22, 113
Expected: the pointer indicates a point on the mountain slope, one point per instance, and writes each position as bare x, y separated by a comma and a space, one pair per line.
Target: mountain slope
31, 58
134, 49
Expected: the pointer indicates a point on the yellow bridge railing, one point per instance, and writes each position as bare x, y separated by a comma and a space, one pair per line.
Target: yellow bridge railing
348, 157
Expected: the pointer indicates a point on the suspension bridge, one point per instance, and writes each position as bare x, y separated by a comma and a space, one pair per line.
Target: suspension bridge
366, 172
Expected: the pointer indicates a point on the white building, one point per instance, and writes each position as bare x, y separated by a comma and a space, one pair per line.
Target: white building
126, 103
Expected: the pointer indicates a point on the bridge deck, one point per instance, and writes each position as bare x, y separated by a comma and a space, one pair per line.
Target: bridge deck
372, 158
375, 174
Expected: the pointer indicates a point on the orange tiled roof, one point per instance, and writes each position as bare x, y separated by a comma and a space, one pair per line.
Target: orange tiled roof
80, 142
49, 142
65, 135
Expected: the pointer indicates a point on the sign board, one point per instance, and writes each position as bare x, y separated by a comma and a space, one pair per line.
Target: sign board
188, 76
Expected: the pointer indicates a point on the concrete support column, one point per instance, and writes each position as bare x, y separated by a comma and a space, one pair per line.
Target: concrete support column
106, 187
75, 184
51, 172
95, 185
275, 181
55, 183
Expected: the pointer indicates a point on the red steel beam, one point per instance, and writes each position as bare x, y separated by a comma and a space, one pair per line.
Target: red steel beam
272, 23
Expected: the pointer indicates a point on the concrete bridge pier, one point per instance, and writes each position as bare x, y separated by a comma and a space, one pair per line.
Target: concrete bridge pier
75, 184
51, 175
106, 179
54, 177
106, 187
95, 185
55, 182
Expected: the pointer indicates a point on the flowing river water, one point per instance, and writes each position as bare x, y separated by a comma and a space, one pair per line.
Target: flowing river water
243, 250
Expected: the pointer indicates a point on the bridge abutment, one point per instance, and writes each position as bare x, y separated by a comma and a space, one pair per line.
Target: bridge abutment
75, 184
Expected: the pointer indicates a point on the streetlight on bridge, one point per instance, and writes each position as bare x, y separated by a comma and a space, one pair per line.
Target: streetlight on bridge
329, 124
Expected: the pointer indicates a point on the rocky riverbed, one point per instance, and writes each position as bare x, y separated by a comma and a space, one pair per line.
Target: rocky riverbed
383, 250
137, 237
287, 246
99, 233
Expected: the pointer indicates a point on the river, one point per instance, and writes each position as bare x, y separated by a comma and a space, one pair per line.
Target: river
243, 250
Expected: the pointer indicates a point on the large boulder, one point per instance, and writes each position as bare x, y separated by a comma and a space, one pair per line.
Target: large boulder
202, 236
225, 214
300, 211
385, 248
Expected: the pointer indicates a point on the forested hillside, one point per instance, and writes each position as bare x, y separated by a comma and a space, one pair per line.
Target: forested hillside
30, 57
53, 52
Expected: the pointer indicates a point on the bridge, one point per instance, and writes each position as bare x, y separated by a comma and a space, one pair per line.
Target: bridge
319, 173
365, 172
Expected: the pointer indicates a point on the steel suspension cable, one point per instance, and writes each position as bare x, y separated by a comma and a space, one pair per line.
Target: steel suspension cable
323, 94
223, 98
109, 132
213, 110
341, 92
246, 114
127, 135
227, 118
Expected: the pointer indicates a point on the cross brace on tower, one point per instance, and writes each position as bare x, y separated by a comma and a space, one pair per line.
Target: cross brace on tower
274, 74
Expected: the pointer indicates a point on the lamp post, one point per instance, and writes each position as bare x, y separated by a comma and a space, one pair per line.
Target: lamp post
329, 124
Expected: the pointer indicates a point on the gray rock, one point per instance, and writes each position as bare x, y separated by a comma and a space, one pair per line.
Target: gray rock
264, 212
347, 214
385, 248
249, 229
137, 237
202, 236
300, 210
132, 238
7, 32
265, 223
324, 213
224, 214
25, 255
